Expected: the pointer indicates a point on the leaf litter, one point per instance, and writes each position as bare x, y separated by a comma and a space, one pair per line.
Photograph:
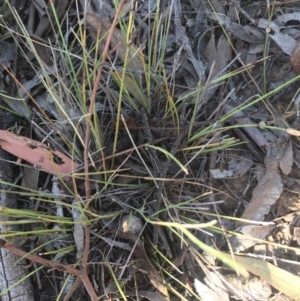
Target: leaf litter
205, 92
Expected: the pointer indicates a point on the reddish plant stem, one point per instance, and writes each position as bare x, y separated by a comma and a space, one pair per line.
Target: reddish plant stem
93, 100
84, 274
53, 265
48, 263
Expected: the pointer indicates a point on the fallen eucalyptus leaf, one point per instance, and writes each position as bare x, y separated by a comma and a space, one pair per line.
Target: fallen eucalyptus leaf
37, 153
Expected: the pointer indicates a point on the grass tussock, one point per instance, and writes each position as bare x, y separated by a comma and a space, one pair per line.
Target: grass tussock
139, 213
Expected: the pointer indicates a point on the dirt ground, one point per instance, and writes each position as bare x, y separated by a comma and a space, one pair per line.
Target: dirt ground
149, 150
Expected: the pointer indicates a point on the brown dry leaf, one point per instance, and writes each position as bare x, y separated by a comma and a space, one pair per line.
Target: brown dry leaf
254, 288
40, 46
218, 7
285, 282
243, 242
7, 54
143, 261
214, 281
286, 160
253, 132
218, 58
267, 191
30, 178
99, 27
236, 168
205, 293
295, 59
223, 55
37, 153
245, 33
47, 16
211, 52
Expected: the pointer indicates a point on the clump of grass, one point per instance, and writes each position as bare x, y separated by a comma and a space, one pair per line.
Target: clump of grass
137, 127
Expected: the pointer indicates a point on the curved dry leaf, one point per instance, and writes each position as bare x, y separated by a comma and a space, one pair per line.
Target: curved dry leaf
37, 153
267, 191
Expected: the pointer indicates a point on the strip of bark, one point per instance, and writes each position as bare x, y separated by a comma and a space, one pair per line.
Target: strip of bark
10, 271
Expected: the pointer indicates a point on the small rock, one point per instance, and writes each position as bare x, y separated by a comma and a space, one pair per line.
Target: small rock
131, 224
